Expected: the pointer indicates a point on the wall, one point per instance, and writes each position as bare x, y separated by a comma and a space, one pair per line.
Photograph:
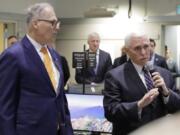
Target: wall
16, 19
171, 33
1, 37
15, 26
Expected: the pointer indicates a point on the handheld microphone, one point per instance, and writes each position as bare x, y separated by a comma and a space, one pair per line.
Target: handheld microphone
150, 67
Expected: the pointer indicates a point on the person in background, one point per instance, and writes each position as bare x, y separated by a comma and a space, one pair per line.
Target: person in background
172, 66
122, 59
65, 69
156, 59
32, 98
11, 40
132, 97
103, 63
65, 66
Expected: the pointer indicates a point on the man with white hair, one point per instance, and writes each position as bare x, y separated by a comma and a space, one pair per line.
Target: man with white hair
103, 63
32, 99
133, 96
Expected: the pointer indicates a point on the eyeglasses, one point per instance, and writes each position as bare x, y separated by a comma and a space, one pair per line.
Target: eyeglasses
54, 23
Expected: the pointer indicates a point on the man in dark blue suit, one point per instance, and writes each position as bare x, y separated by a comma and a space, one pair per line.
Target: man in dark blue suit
103, 63
32, 102
155, 58
132, 97
65, 68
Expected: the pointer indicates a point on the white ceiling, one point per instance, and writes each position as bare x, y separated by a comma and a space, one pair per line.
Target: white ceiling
76, 8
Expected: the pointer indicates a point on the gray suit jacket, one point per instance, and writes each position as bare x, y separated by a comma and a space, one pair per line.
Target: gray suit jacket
123, 89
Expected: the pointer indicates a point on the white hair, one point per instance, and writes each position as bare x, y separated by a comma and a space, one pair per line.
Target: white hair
94, 34
35, 11
127, 40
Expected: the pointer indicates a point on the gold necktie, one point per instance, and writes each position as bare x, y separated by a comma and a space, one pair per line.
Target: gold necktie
49, 65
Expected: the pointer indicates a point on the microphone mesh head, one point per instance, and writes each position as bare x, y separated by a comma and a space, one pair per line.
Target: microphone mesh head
149, 66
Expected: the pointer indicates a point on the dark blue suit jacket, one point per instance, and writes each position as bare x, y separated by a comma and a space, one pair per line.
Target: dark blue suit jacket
105, 64
124, 88
28, 102
160, 61
120, 60
65, 68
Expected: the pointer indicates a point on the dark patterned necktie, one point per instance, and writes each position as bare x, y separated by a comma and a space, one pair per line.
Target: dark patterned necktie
148, 80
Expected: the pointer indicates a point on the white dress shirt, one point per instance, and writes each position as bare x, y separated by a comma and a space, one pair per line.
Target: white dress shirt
38, 47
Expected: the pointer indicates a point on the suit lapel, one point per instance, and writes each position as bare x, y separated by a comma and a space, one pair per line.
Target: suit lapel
135, 80
58, 65
33, 55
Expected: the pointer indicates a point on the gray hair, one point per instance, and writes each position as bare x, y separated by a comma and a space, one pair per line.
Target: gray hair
35, 11
94, 34
127, 40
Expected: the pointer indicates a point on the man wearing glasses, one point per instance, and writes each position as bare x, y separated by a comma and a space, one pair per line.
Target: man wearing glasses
32, 99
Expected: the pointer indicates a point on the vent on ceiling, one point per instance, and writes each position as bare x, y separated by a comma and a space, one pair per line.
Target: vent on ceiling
99, 12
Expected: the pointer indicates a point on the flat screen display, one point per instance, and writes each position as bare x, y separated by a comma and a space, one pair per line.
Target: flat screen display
87, 113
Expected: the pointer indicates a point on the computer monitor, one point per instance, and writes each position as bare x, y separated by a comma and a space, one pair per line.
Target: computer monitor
87, 113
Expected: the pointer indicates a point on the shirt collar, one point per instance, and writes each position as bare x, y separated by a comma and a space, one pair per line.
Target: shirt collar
36, 45
138, 68
152, 58
97, 52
